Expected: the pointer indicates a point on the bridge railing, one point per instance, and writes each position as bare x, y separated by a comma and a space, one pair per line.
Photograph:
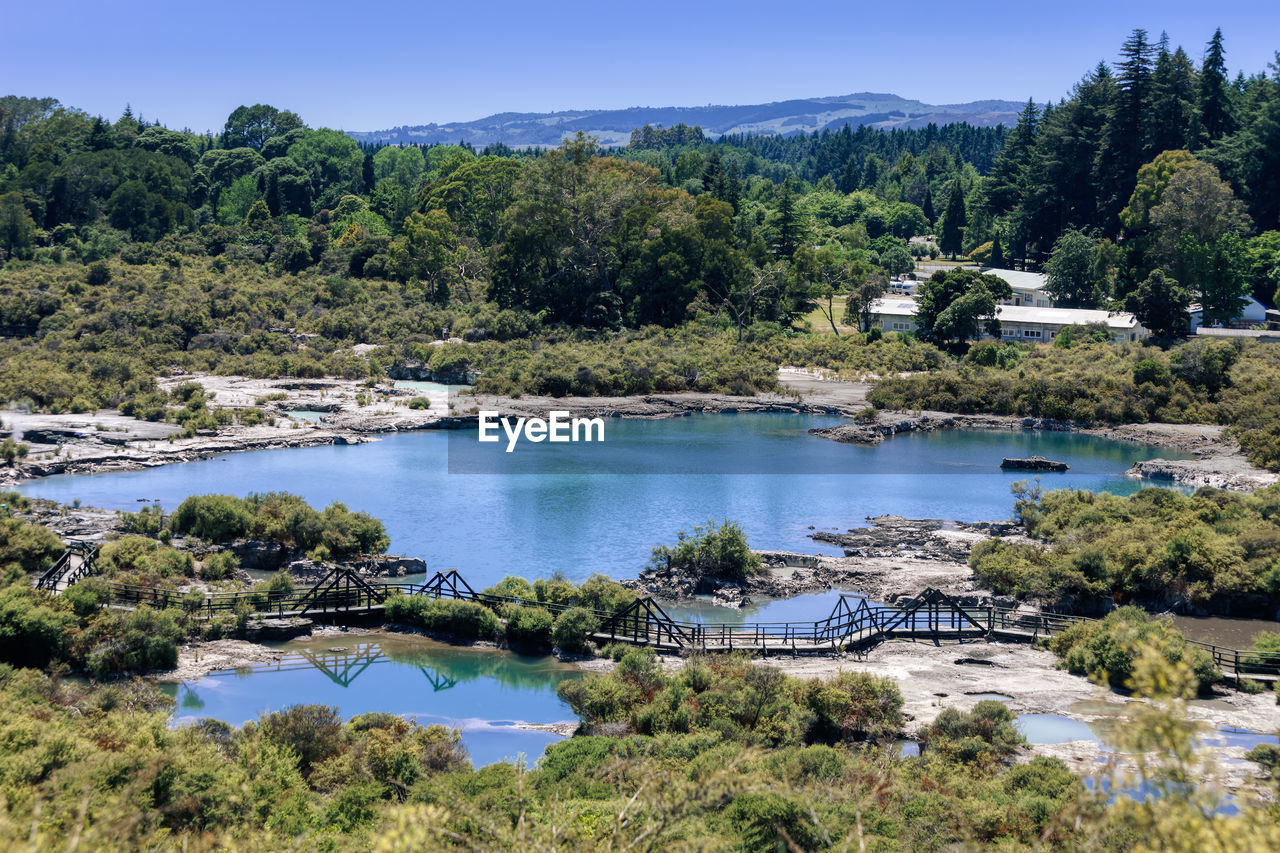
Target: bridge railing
932, 614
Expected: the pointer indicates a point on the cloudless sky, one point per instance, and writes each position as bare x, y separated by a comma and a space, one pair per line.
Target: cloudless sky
372, 65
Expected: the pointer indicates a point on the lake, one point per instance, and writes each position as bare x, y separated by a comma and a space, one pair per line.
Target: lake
601, 507
481, 692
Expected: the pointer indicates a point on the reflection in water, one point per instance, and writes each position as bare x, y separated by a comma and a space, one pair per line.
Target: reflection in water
482, 692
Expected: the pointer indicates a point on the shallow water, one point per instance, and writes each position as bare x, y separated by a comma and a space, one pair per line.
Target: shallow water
1224, 631
482, 692
583, 508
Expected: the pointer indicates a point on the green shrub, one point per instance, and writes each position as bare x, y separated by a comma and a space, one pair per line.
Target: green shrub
215, 518
87, 596
713, 551
528, 626
145, 561
462, 620
33, 629
219, 566
420, 403
142, 639
599, 592
30, 547
1106, 650
313, 732
573, 629
855, 706
982, 736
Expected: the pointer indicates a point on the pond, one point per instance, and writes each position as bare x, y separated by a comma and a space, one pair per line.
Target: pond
601, 507
482, 692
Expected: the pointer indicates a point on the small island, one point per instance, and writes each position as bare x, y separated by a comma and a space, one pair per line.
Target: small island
1034, 463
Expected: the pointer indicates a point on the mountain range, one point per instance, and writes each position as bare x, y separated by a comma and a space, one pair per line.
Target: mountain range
613, 127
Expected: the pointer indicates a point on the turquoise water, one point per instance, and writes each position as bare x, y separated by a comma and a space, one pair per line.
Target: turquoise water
307, 415
583, 508
482, 692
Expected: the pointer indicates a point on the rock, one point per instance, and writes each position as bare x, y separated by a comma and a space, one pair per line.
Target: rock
1034, 463
730, 595
259, 555
277, 629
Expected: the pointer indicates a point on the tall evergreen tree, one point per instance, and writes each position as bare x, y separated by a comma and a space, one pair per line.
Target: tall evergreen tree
1009, 172
849, 177
1216, 117
997, 252
1126, 137
927, 206
1174, 101
953, 221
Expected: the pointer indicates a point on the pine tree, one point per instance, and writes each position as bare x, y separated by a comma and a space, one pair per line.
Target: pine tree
997, 252
733, 186
1216, 116
849, 178
927, 206
1008, 173
953, 222
788, 226
1174, 101
1126, 137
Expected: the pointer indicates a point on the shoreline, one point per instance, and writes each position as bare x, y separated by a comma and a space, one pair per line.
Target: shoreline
107, 441
930, 678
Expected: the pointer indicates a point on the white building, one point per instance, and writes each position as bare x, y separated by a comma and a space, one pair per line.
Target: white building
1253, 315
1017, 322
1028, 287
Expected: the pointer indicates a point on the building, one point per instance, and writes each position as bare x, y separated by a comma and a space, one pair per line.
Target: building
1266, 336
1253, 316
1028, 287
1018, 322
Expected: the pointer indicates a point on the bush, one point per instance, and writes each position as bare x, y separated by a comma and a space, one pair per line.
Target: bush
528, 626
214, 518
984, 735
144, 560
462, 620
313, 732
219, 566
30, 547
142, 639
87, 596
572, 629
1105, 651
719, 552
855, 706
33, 630
420, 403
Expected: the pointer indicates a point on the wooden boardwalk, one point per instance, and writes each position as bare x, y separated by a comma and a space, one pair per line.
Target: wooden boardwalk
853, 624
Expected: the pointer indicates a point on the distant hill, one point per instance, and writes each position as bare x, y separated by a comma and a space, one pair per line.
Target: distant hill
613, 127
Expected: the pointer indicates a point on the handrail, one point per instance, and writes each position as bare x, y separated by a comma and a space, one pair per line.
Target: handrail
932, 613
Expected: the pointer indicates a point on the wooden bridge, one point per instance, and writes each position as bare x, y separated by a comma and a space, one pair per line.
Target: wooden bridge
854, 623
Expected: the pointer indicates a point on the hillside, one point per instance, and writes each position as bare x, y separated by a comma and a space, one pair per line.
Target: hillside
613, 127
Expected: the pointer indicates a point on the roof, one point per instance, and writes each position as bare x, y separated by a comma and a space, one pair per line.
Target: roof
1019, 278
894, 307
1065, 316
1237, 333
903, 307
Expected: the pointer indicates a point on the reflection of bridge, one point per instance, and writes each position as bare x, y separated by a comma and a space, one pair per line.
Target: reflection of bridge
342, 667
854, 623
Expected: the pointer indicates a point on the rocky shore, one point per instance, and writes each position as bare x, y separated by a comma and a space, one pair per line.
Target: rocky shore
1218, 460
307, 413
893, 557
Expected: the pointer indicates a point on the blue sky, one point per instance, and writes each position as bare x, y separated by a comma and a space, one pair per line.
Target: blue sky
365, 66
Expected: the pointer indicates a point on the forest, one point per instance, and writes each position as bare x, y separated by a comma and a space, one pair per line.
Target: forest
273, 247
